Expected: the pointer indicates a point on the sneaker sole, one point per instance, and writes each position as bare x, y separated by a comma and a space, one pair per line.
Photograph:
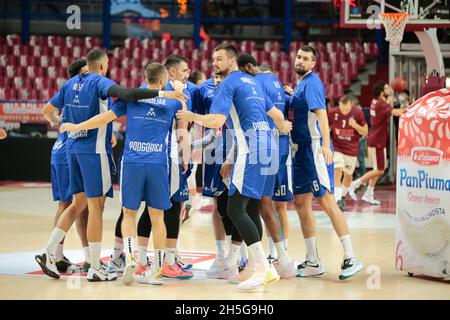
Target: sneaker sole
260, 285
44, 268
180, 277
128, 275
95, 278
314, 275
342, 277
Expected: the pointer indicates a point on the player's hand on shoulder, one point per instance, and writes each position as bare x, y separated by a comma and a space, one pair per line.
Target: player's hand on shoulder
185, 115
177, 85
288, 90
175, 95
70, 127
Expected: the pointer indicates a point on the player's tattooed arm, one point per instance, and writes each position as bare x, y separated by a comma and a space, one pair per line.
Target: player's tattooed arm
93, 123
322, 119
49, 114
215, 120
277, 116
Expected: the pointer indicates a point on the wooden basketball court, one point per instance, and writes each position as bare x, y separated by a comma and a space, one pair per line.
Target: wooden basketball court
26, 221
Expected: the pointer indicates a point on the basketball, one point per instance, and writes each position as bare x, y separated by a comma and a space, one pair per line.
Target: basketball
398, 84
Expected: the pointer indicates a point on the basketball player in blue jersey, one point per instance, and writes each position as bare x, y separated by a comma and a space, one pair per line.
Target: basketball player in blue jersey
214, 154
61, 186
241, 102
178, 70
273, 89
88, 155
313, 166
283, 183
144, 173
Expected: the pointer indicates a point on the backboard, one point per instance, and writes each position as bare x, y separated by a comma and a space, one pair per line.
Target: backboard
424, 13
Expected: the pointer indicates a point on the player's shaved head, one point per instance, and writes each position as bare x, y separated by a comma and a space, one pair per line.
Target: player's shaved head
95, 55
97, 61
174, 60
229, 49
154, 72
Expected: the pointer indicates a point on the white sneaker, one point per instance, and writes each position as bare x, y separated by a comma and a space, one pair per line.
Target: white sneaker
48, 264
117, 264
350, 267
352, 191
310, 269
242, 276
260, 278
225, 272
217, 265
100, 275
286, 271
150, 276
370, 199
128, 273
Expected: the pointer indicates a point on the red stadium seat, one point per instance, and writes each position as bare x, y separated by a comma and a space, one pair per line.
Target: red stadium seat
37, 41
131, 43
12, 39
7, 94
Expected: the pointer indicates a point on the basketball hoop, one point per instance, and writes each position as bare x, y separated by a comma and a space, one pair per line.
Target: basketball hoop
394, 23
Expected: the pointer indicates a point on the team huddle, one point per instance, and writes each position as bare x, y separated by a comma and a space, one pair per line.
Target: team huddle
263, 145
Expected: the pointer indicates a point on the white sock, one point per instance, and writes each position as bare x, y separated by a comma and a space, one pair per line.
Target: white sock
118, 249
311, 249
243, 251
337, 193
220, 247
142, 255
357, 183
129, 245
272, 249
227, 243
232, 257
286, 241
55, 238
59, 255
159, 258
87, 256
257, 253
170, 256
344, 191
347, 245
370, 190
283, 257
95, 249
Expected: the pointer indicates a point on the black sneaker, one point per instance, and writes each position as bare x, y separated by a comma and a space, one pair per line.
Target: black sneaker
271, 259
341, 205
65, 266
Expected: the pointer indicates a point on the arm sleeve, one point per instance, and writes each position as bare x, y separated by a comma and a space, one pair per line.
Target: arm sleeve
119, 108
131, 94
387, 109
315, 96
58, 100
223, 100
269, 103
360, 118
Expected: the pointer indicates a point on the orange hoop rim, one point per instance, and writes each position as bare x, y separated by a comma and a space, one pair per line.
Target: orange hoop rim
395, 17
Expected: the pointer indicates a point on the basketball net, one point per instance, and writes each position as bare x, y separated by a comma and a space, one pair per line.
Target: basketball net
394, 23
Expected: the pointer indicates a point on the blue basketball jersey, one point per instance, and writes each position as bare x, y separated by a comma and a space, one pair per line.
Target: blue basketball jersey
83, 97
